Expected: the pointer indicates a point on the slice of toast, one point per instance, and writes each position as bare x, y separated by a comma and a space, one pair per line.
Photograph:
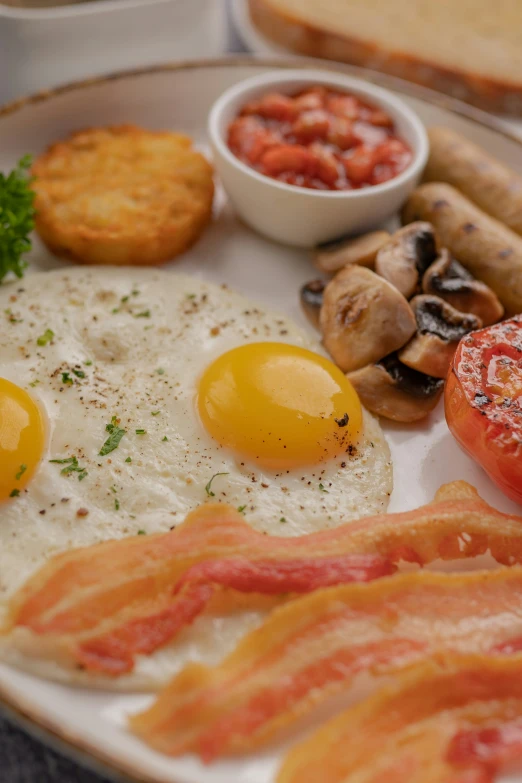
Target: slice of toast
470, 49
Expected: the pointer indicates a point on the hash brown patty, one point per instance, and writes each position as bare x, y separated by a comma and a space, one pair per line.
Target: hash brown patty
122, 195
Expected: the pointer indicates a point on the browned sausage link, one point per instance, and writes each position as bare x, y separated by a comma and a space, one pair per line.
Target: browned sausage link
484, 179
490, 250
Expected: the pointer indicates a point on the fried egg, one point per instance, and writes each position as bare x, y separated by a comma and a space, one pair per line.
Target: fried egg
129, 397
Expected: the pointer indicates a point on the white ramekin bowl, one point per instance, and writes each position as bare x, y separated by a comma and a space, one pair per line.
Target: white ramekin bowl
300, 216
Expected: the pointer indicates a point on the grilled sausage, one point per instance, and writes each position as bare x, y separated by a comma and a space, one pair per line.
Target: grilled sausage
486, 247
486, 181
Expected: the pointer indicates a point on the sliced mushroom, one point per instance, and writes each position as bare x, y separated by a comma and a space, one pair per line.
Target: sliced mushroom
392, 390
453, 283
405, 258
440, 327
311, 298
363, 318
362, 250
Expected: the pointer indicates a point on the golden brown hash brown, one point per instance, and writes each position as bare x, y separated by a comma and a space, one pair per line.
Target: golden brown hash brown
122, 195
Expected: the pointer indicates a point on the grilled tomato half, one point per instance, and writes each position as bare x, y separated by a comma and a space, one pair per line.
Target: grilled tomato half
483, 401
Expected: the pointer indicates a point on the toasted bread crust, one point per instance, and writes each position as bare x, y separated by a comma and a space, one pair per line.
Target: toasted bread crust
489, 94
122, 195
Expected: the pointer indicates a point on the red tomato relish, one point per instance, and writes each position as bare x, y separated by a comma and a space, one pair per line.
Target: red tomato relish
319, 138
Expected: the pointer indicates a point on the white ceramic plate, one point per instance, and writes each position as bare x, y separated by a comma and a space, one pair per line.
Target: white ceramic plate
425, 456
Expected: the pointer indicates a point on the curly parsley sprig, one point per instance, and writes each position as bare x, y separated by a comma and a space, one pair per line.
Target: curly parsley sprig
16, 218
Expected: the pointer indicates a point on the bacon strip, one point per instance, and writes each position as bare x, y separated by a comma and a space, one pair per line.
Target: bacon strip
314, 646
450, 720
113, 652
114, 600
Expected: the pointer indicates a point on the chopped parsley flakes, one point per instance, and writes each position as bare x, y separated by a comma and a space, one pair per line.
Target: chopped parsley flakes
155, 413
14, 493
71, 466
241, 509
282, 520
160, 371
116, 504
142, 532
66, 378
143, 314
21, 472
208, 489
141, 432
115, 435
45, 338
164, 438
129, 459
321, 487
79, 373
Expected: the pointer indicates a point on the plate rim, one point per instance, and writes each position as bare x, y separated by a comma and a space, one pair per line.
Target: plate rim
290, 61
17, 707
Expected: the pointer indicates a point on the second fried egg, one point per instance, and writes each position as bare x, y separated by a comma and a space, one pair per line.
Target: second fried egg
152, 392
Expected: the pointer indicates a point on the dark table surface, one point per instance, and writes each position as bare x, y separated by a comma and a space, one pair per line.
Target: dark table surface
24, 759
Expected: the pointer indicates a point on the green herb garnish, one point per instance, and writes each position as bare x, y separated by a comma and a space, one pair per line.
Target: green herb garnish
11, 317
71, 466
321, 487
241, 509
21, 472
66, 378
129, 459
115, 435
45, 338
142, 532
155, 413
164, 438
79, 373
144, 314
88, 363
16, 218
282, 520
116, 504
14, 493
208, 489
160, 371
141, 432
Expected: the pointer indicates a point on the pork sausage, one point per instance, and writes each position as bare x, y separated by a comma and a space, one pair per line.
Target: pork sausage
484, 179
486, 247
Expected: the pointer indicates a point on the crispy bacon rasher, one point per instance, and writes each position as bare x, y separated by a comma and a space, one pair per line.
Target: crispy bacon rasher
314, 646
448, 720
107, 603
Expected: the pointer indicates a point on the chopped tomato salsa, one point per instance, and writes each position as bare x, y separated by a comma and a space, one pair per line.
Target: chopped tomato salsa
484, 402
319, 138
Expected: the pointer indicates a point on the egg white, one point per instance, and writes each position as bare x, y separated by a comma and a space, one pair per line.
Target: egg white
147, 353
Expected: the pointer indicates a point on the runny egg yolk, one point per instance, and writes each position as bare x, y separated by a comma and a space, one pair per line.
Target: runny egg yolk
279, 405
21, 439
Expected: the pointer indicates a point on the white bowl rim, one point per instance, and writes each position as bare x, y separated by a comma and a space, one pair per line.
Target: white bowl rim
360, 86
94, 7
